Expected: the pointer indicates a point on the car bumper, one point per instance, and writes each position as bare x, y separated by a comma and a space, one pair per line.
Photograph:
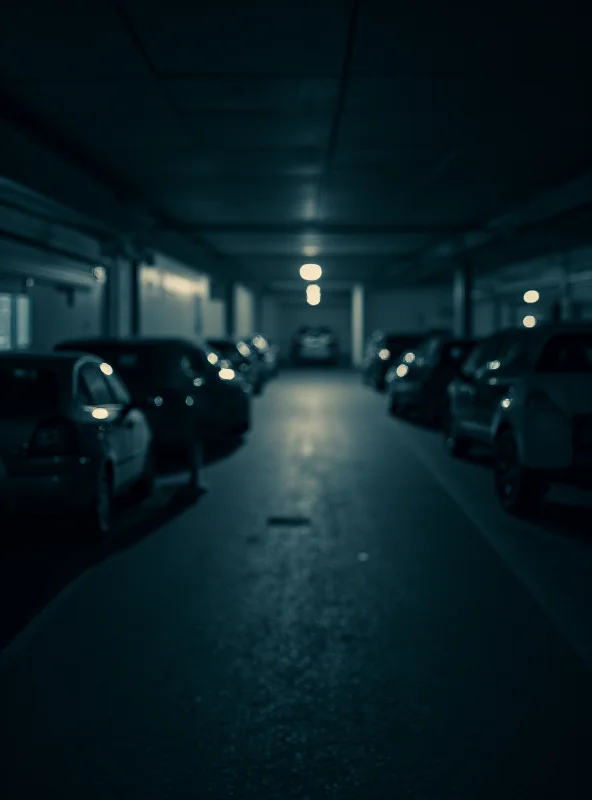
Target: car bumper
47, 485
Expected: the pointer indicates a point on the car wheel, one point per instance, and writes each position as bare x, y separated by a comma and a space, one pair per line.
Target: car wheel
145, 486
97, 521
393, 406
456, 444
519, 489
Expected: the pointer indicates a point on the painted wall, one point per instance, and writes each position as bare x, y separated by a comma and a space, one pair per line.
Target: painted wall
214, 318
270, 323
335, 315
171, 303
244, 311
54, 317
407, 310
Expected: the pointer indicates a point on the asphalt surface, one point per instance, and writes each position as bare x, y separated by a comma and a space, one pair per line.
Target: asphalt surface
344, 614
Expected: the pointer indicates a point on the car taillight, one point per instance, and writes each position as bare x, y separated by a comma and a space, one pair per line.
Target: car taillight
538, 400
55, 437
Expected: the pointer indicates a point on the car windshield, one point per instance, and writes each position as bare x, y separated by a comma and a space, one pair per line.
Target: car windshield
567, 353
25, 387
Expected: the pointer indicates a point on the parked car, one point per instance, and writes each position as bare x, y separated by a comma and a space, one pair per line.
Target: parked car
188, 402
382, 351
527, 394
241, 357
315, 345
267, 352
419, 385
71, 439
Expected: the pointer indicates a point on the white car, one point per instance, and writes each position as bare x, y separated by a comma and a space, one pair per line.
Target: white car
528, 394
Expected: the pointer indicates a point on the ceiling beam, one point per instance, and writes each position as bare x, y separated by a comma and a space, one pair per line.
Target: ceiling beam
556, 205
320, 229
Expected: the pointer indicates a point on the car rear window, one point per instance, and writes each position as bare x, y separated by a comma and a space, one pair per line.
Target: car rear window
566, 353
138, 366
28, 388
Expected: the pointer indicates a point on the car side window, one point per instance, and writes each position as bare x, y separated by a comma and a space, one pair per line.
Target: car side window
475, 361
118, 389
512, 352
91, 377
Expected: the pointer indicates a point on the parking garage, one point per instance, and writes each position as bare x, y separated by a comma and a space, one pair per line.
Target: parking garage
343, 608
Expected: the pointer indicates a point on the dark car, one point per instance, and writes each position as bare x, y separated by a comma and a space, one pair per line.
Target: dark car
267, 352
242, 357
384, 349
71, 440
315, 345
188, 401
418, 385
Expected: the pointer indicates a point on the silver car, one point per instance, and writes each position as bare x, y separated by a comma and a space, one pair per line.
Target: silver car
70, 440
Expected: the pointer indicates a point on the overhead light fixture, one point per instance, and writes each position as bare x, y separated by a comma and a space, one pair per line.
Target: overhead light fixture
310, 250
313, 294
532, 296
529, 321
310, 272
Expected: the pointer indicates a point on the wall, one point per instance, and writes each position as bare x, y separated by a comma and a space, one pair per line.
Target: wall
54, 318
407, 310
170, 302
244, 311
335, 314
270, 322
214, 318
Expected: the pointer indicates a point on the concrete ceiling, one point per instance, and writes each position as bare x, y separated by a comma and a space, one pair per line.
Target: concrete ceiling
372, 137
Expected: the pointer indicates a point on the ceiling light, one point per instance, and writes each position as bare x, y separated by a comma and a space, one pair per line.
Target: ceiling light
310, 272
313, 301
310, 250
531, 296
529, 321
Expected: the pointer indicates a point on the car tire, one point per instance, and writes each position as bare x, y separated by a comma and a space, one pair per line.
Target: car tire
392, 407
457, 445
97, 520
519, 490
144, 488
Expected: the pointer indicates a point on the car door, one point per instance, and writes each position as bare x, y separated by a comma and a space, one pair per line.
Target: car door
463, 389
115, 430
504, 365
135, 421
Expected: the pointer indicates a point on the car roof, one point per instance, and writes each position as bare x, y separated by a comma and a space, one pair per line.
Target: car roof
129, 342
61, 361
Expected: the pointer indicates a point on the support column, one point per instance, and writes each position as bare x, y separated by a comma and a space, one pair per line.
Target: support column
230, 309
118, 302
357, 324
462, 301
136, 287
566, 309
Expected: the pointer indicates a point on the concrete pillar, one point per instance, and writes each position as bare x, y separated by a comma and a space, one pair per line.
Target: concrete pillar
136, 319
357, 324
565, 309
462, 301
118, 294
230, 308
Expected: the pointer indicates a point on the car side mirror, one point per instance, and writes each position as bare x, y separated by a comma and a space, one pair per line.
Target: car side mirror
128, 408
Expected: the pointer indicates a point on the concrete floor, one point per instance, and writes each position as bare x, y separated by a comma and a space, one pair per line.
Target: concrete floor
402, 639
